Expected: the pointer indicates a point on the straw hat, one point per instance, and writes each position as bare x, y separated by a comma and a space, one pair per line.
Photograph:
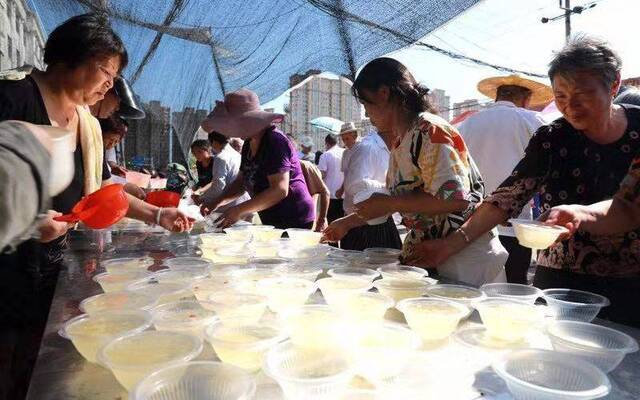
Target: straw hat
540, 93
239, 115
348, 127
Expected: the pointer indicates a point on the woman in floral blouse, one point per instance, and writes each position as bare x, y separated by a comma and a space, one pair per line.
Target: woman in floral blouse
578, 159
433, 181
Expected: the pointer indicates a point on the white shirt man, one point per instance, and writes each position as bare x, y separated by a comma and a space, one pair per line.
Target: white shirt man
225, 167
330, 165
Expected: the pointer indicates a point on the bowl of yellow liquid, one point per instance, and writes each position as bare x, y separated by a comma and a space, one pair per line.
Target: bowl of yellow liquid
233, 307
367, 306
300, 254
117, 281
233, 254
133, 357
536, 234
509, 320
315, 327
178, 263
284, 293
433, 319
304, 374
302, 271
90, 332
382, 351
116, 301
204, 288
183, 316
214, 240
304, 237
400, 289
354, 272
263, 249
249, 277
402, 272
164, 292
267, 235
243, 345
239, 233
184, 275
336, 290
127, 264
272, 262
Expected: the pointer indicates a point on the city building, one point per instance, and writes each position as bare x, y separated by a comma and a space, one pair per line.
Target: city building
22, 38
441, 102
320, 96
466, 105
632, 82
364, 126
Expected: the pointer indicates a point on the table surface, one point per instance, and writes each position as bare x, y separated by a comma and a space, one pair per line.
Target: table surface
454, 371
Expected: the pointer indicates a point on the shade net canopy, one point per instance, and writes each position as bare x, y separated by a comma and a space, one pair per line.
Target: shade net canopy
188, 53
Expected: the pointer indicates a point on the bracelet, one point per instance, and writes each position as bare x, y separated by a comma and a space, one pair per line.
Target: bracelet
464, 235
158, 215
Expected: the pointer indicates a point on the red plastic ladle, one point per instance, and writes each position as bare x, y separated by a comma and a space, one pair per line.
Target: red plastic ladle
100, 209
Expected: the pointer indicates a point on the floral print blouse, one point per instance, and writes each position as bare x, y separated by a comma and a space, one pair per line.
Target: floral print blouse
566, 167
433, 158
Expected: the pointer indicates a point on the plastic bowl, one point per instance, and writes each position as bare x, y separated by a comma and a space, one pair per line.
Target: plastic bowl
232, 254
177, 263
367, 306
90, 332
382, 253
382, 351
458, 293
224, 271
248, 278
183, 316
116, 301
164, 292
536, 234
240, 308
183, 275
601, 346
272, 262
402, 272
263, 249
214, 240
574, 305
309, 375
336, 290
314, 327
433, 319
196, 380
132, 357
354, 272
304, 237
301, 271
509, 320
267, 235
513, 291
118, 281
243, 345
400, 289
116, 265
284, 293
297, 254
204, 288
547, 375
345, 255
239, 233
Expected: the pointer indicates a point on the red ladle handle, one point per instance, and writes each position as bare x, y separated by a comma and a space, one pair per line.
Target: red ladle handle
67, 218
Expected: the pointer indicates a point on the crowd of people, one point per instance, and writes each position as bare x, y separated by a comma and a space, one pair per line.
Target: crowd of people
454, 187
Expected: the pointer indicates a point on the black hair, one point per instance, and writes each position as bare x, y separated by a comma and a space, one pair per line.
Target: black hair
201, 144
113, 125
331, 139
218, 138
404, 89
83, 38
512, 92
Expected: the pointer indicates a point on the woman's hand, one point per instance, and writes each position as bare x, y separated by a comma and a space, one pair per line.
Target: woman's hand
229, 217
567, 216
51, 229
321, 224
174, 220
430, 253
336, 230
375, 206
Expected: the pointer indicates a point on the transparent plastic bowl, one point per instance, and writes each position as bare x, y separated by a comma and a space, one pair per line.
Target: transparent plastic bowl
268, 235
458, 293
183, 316
382, 351
183, 275
226, 270
214, 240
285, 293
367, 306
513, 291
247, 279
132, 357
433, 319
304, 237
509, 320
301, 271
354, 272
601, 346
336, 290
297, 254
574, 305
204, 288
382, 253
90, 332
361, 394
400, 289
547, 375
116, 301
164, 292
402, 272
239, 233
187, 262
118, 281
272, 262
536, 234
314, 327
239, 308
346, 255
235, 254
127, 264
243, 345
263, 249
309, 375
196, 380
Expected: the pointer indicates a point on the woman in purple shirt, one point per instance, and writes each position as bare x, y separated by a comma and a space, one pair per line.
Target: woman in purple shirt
270, 169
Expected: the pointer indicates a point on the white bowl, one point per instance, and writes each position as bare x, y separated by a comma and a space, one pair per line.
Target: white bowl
574, 305
116, 301
536, 234
509, 320
433, 319
513, 291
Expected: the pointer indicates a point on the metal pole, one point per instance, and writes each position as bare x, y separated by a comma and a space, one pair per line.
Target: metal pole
567, 19
170, 137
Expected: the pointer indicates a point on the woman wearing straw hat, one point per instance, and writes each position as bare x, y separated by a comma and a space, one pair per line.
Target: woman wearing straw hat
270, 168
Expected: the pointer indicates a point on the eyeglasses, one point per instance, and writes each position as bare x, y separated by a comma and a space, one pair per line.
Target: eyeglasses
105, 71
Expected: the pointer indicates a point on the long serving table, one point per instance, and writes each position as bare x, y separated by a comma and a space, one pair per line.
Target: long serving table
454, 371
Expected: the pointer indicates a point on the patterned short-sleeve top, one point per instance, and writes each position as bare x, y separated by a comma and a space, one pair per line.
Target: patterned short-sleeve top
566, 167
630, 187
433, 158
